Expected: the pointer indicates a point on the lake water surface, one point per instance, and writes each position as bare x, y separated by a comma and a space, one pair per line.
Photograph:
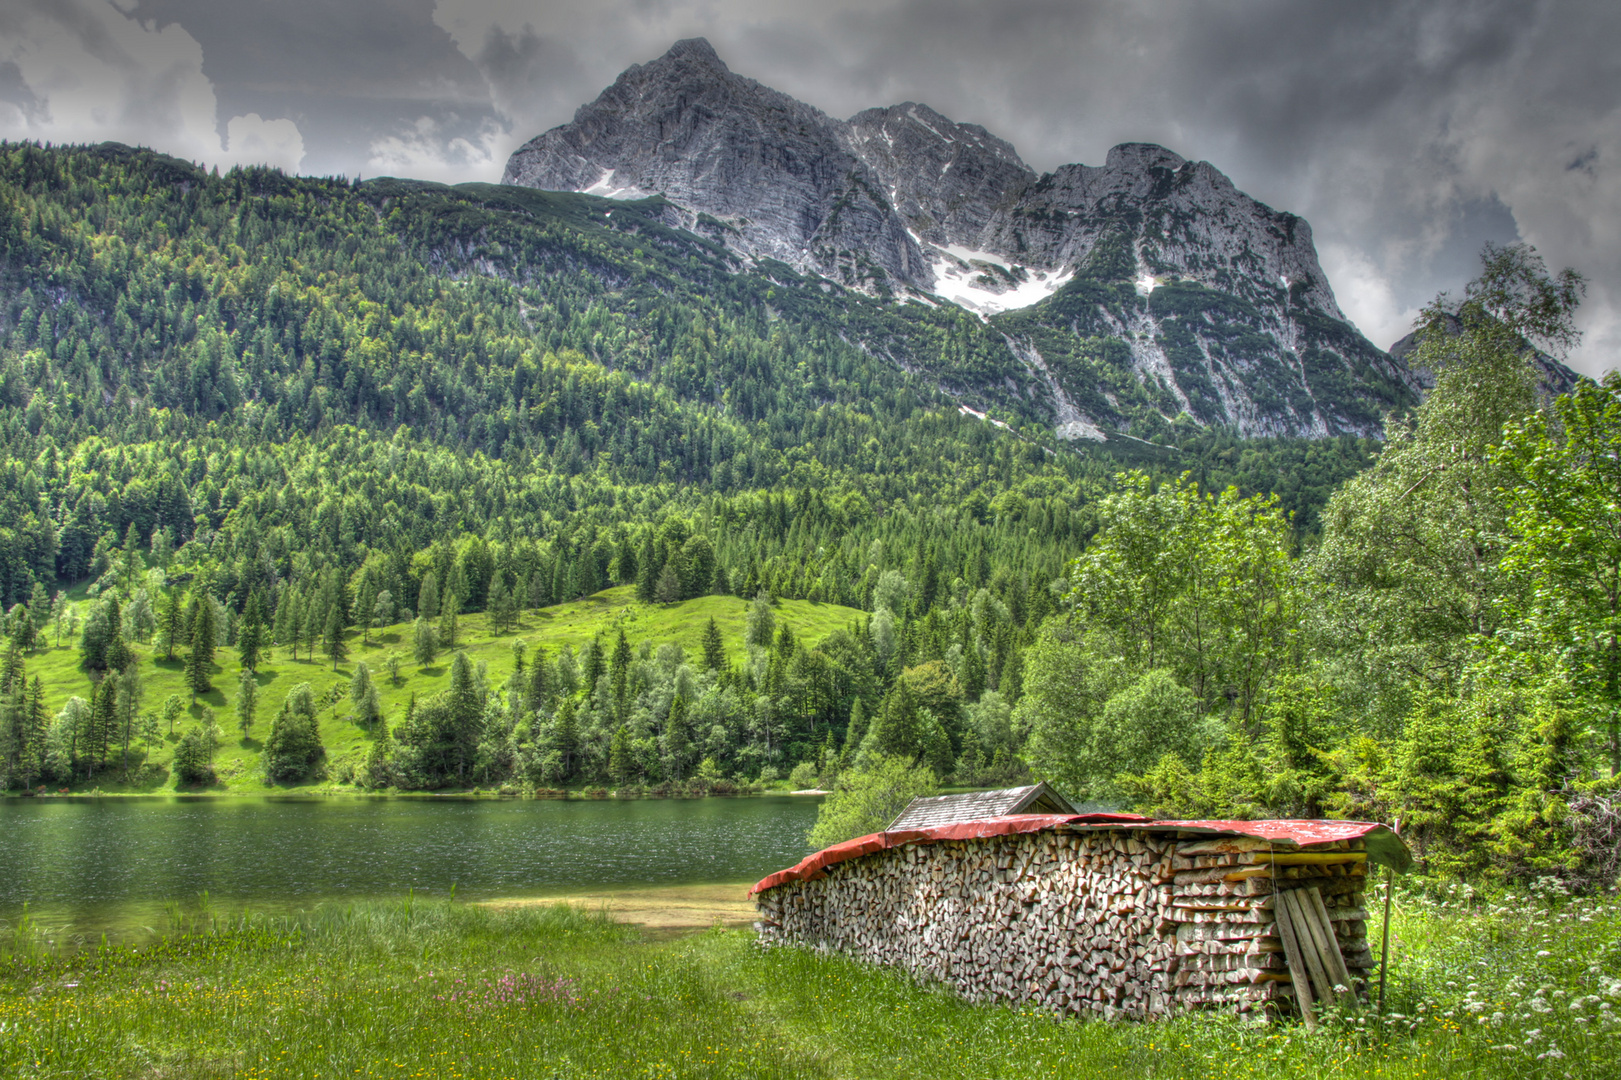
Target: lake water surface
112, 864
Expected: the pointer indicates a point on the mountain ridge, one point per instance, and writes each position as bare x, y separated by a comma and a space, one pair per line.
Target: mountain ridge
905, 204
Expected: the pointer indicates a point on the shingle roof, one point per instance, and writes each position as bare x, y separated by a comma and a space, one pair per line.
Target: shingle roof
978, 805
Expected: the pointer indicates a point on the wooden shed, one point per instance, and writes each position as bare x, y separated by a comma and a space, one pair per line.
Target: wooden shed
1109, 914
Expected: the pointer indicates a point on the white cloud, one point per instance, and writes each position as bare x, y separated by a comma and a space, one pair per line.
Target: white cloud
99, 74
1365, 294
253, 140
426, 151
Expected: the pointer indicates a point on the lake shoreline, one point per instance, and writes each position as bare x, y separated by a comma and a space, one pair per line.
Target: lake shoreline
544, 795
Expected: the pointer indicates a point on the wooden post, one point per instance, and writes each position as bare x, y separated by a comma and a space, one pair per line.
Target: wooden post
1384, 938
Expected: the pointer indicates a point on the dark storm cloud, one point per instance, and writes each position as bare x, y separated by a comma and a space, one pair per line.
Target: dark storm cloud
1408, 133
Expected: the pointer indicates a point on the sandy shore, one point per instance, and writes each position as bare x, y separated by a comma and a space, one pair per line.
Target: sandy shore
667, 908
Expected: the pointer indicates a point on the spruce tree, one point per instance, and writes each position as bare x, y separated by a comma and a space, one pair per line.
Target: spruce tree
541, 682
250, 634
425, 642
668, 589
103, 721
619, 756
501, 607
377, 758
196, 673
678, 739
567, 735
428, 596
647, 575
332, 641
314, 622
247, 701
204, 628
285, 631
466, 716
714, 647
36, 723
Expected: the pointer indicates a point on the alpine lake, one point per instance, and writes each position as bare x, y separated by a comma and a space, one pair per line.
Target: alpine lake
130, 867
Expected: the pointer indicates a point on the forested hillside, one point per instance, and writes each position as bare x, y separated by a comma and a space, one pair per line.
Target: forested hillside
249, 419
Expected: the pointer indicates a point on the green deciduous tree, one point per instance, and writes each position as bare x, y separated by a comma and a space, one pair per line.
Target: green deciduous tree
867, 799
1564, 555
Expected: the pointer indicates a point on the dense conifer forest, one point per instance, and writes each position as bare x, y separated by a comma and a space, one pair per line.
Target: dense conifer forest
251, 418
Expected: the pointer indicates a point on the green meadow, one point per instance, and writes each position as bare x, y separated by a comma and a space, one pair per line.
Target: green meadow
236, 763
1516, 986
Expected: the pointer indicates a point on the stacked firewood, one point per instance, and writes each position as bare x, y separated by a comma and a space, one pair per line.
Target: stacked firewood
1113, 922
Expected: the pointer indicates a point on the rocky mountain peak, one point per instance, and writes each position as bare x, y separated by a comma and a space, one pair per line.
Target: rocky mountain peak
1140, 157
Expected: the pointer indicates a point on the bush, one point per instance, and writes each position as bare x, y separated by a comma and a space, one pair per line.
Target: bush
803, 776
294, 748
192, 758
866, 800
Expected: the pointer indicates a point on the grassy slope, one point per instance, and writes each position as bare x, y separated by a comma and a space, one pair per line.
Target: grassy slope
1517, 989
237, 762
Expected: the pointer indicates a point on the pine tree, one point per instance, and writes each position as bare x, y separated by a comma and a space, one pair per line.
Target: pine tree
250, 634
567, 737
247, 700
336, 648
502, 609
973, 672
714, 647
36, 721
668, 589
619, 672
196, 673
466, 715
314, 623
377, 763
647, 576
103, 721
678, 739
365, 602
204, 628
425, 642
428, 596
363, 695
619, 756
541, 682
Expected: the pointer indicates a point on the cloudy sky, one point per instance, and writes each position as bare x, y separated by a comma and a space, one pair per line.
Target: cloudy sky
1407, 133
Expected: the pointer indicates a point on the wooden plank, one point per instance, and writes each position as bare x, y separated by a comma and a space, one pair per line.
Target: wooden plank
1297, 967
1317, 858
1332, 954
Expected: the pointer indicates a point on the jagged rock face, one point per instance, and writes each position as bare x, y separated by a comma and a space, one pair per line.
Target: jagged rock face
773, 169
1069, 264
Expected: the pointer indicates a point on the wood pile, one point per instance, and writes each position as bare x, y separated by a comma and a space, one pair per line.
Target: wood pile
1111, 922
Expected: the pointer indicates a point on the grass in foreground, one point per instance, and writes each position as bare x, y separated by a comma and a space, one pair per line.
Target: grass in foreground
448, 990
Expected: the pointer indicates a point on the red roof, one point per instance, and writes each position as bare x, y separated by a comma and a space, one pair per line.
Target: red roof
1384, 846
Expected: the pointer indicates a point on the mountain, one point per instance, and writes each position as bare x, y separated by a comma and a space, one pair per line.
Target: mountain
1553, 378
1130, 294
